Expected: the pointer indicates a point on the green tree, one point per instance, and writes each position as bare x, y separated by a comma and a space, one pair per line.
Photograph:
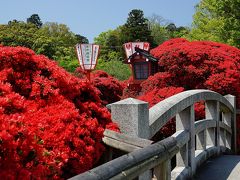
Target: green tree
59, 45
177, 32
171, 27
162, 30
60, 32
217, 20
136, 27
81, 39
157, 25
110, 42
35, 19
18, 33
52, 39
112, 54
114, 67
101, 40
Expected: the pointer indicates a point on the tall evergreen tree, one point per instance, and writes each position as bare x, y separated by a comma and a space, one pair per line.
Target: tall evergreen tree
35, 19
136, 28
81, 39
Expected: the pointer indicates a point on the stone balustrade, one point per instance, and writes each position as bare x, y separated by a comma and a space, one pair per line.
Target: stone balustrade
192, 143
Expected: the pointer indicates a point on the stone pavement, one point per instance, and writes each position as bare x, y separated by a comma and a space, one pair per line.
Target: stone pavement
220, 168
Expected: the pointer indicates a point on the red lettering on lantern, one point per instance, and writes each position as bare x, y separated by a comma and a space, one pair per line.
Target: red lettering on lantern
146, 46
128, 46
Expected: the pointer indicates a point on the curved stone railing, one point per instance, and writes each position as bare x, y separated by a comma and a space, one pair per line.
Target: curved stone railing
192, 143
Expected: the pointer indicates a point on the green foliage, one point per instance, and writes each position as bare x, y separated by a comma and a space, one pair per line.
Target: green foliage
35, 19
136, 28
109, 42
59, 43
69, 64
177, 32
112, 54
159, 34
114, 67
81, 39
162, 30
18, 34
157, 25
217, 20
54, 40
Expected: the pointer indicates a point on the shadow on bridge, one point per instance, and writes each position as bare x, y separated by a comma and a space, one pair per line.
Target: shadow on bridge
220, 168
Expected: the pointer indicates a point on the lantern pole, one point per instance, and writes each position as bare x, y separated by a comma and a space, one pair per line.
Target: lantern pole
88, 74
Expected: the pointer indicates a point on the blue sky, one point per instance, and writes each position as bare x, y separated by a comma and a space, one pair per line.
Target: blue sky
90, 18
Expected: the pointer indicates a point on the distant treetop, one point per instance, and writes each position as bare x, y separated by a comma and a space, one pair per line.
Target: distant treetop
35, 19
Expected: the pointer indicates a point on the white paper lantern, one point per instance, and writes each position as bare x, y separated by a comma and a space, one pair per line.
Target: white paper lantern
130, 47
87, 55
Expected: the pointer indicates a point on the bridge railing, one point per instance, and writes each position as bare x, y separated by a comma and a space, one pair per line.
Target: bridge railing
193, 142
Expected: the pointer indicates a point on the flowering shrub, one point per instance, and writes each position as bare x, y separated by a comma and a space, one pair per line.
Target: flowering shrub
158, 94
110, 88
127, 91
159, 80
198, 65
51, 123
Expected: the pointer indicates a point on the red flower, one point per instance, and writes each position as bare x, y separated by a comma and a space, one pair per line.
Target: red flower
51, 123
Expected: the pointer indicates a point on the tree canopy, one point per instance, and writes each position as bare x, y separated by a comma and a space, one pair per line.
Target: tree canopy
35, 19
136, 28
217, 20
54, 40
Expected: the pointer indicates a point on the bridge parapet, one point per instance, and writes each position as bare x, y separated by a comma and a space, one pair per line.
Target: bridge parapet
193, 142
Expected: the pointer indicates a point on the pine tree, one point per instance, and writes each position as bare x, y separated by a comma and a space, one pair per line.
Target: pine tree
35, 19
136, 27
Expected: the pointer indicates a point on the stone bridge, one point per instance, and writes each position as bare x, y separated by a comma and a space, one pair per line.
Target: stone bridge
202, 149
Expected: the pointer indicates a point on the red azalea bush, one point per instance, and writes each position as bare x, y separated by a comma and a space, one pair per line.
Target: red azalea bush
158, 94
51, 123
200, 64
110, 88
129, 92
159, 80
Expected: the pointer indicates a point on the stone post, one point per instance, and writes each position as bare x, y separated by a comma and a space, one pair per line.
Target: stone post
232, 123
132, 116
185, 121
201, 141
212, 111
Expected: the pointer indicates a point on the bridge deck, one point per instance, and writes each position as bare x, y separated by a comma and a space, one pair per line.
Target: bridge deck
220, 168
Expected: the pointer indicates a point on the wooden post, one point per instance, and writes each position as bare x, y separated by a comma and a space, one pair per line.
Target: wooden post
88, 74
